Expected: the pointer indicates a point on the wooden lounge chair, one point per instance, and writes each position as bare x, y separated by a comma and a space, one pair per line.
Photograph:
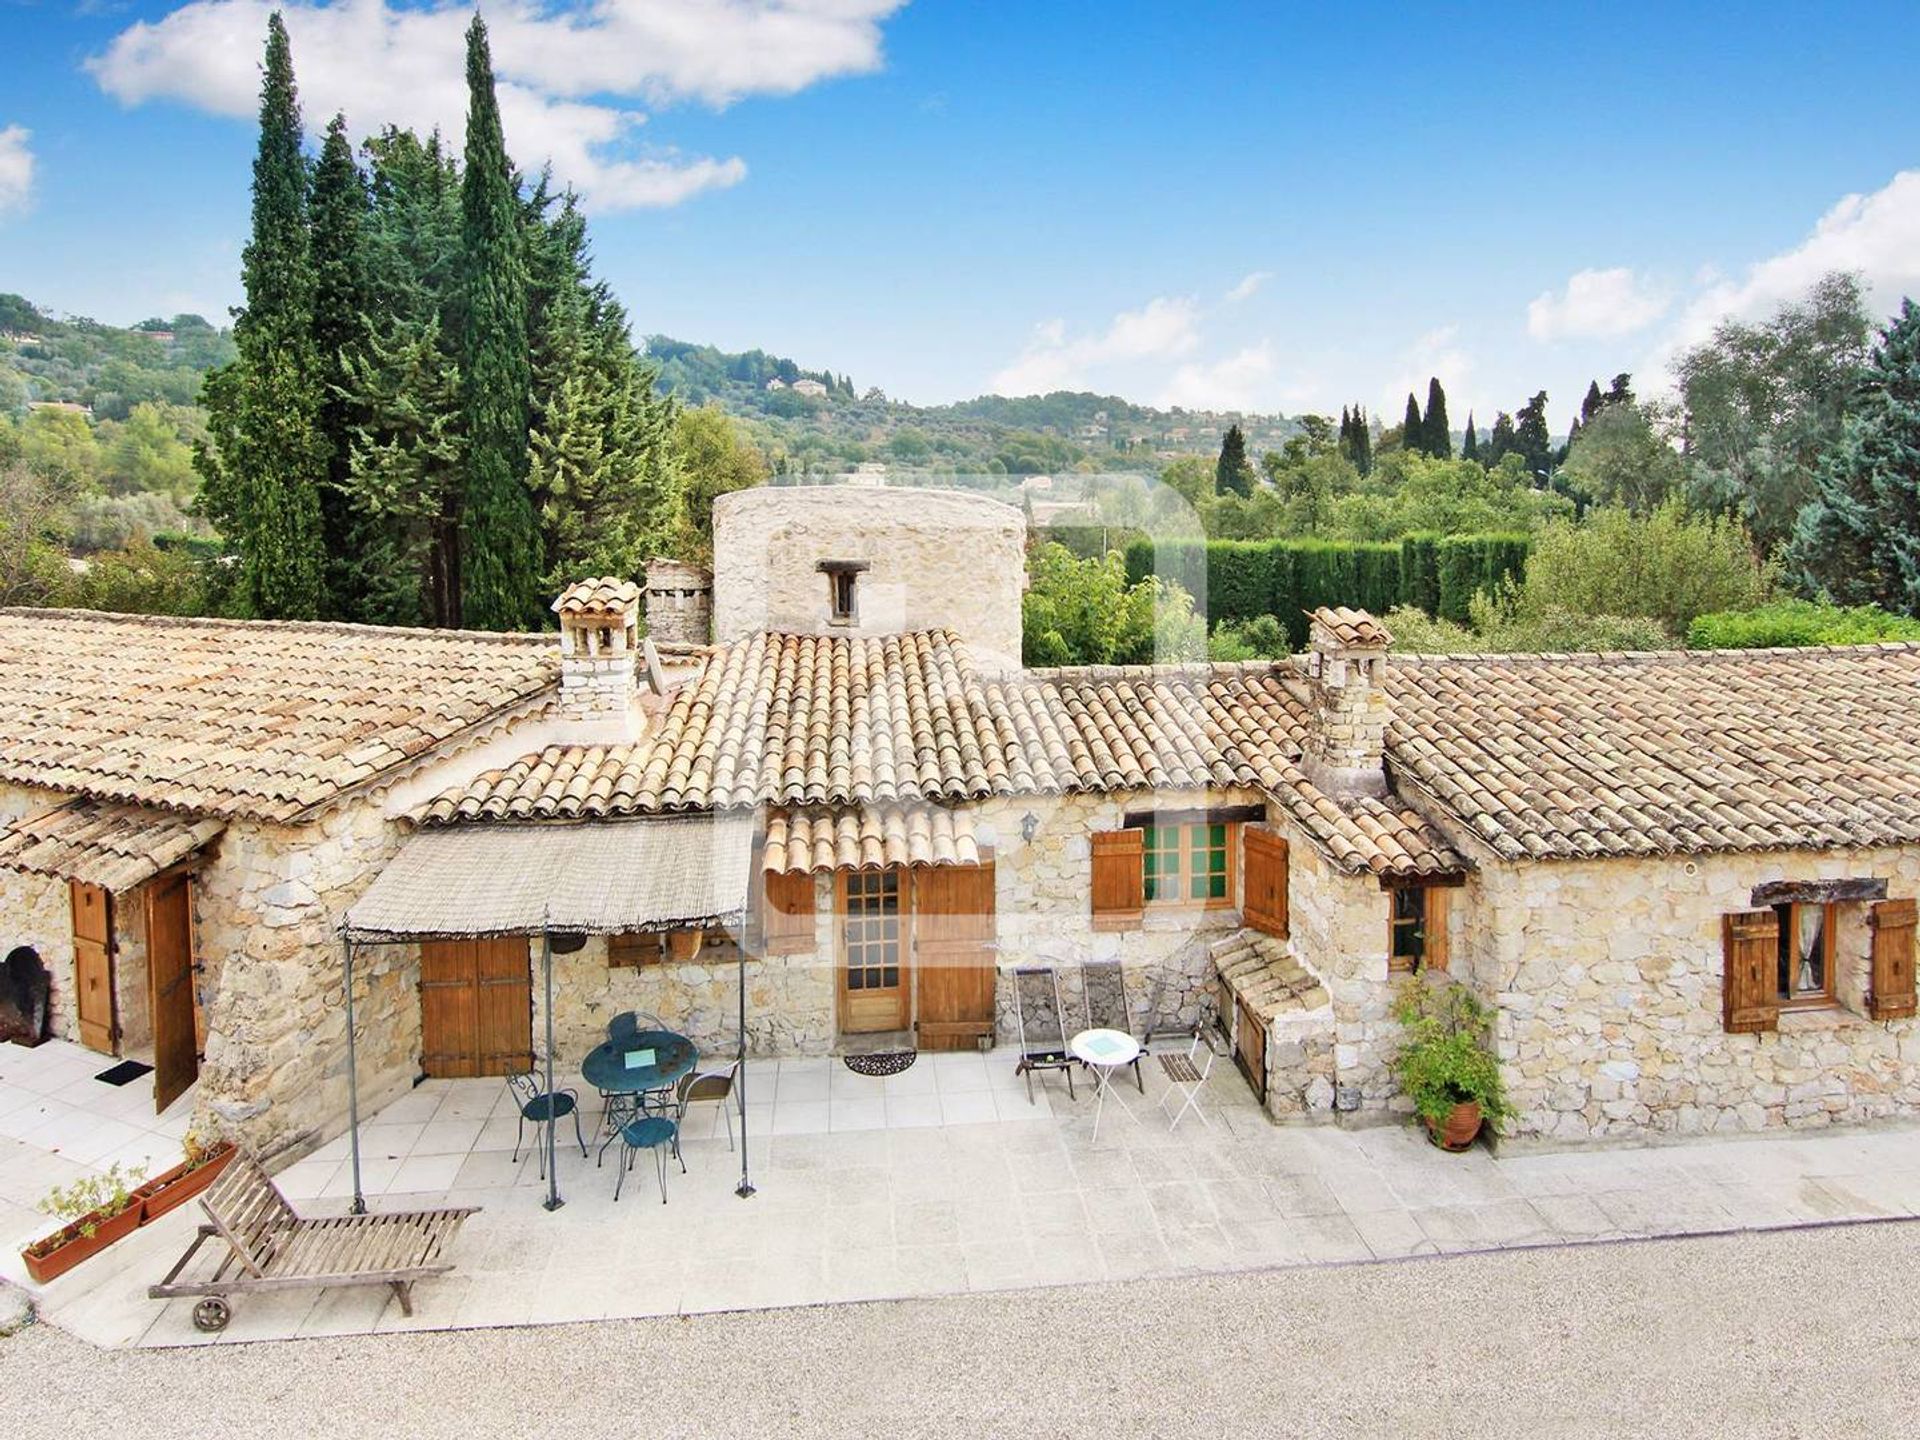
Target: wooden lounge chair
1042, 1017
270, 1247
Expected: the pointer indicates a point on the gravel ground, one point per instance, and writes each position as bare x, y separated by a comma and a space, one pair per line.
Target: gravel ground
1803, 1334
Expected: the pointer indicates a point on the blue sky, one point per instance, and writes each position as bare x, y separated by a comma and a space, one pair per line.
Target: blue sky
1247, 206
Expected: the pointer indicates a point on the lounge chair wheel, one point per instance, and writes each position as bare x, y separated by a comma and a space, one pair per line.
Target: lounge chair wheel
211, 1315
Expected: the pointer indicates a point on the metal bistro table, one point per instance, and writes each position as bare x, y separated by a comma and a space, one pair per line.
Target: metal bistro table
652, 1060
1105, 1052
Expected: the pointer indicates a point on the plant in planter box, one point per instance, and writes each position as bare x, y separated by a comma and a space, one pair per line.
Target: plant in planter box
99, 1209
202, 1161
1444, 1064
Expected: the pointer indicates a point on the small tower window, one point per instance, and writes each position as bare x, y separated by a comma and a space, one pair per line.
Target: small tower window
842, 585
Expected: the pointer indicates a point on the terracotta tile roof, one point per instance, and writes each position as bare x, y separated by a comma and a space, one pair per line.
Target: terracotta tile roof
229, 717
1352, 627
865, 837
1262, 971
597, 597
808, 720
116, 846
1574, 755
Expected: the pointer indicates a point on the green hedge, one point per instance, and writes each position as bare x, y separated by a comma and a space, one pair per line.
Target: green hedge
1798, 622
1242, 579
1468, 564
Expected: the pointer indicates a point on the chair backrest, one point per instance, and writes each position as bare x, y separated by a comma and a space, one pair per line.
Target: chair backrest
1038, 1009
248, 1210
524, 1086
706, 1085
623, 1027
1103, 987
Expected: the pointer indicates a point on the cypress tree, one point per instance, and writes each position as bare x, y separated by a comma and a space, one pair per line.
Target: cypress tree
266, 454
500, 550
1501, 442
1363, 433
340, 213
1592, 405
1232, 474
1858, 540
1413, 434
1439, 434
1530, 437
1620, 392
1470, 444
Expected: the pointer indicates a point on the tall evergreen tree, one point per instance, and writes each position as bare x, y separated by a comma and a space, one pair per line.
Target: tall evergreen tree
266, 454
1363, 440
1438, 433
1858, 540
339, 213
1233, 473
1593, 404
1501, 441
1413, 433
1620, 392
500, 561
1530, 437
1470, 443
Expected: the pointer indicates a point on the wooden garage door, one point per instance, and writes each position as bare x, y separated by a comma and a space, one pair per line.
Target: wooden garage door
476, 1007
953, 955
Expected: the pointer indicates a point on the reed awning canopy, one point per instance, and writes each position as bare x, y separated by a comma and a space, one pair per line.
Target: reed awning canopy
603, 878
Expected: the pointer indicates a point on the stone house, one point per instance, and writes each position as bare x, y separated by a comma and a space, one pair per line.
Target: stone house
1684, 881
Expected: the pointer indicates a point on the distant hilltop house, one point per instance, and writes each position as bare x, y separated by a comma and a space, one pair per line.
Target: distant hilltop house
806, 385
866, 473
1685, 882
71, 406
165, 337
776, 383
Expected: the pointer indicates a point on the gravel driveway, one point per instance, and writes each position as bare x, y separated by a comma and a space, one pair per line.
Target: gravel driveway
1802, 1334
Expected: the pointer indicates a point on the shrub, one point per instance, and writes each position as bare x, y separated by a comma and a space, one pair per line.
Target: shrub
1086, 612
1667, 566
1419, 633
1469, 565
1261, 638
1444, 1059
1798, 622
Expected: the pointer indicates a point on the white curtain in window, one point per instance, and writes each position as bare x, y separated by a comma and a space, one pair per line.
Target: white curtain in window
1810, 942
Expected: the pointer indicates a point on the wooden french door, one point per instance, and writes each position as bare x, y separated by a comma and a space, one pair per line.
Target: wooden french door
93, 966
876, 980
476, 1007
953, 923
176, 1060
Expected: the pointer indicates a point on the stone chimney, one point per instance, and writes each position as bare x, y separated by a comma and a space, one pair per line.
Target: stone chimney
679, 603
599, 643
1346, 672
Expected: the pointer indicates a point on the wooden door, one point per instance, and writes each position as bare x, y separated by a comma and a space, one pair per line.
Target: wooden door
1250, 1048
93, 966
875, 974
953, 955
176, 1061
476, 1007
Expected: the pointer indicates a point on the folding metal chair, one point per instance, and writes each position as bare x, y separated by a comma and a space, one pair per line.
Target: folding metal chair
1042, 1018
1103, 990
1185, 1080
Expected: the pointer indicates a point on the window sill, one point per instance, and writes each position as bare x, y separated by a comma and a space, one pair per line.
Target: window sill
1814, 1019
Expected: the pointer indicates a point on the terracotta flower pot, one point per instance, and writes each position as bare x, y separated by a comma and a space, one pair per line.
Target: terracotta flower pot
66, 1248
1459, 1129
173, 1188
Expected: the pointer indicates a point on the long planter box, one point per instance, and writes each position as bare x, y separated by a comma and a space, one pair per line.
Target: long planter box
148, 1201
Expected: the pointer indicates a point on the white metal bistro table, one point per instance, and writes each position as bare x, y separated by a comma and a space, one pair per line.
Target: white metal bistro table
1104, 1052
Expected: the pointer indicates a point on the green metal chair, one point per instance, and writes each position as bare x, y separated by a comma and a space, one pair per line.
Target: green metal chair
649, 1132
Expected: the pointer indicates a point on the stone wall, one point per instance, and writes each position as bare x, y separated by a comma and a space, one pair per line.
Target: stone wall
35, 911
1607, 975
933, 558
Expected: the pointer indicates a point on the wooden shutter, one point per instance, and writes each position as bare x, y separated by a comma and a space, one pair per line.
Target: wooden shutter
633, 949
1749, 992
787, 914
1437, 934
1263, 880
1119, 879
93, 967
1893, 993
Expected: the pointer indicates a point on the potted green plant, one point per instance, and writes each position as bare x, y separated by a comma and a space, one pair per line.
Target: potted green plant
1444, 1064
202, 1163
99, 1209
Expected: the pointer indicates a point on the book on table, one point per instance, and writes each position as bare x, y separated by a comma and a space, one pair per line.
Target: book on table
639, 1059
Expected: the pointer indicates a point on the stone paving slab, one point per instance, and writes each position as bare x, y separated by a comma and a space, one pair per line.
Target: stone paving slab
910, 1210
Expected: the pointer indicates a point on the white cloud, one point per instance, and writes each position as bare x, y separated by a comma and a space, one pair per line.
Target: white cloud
1162, 329
1876, 235
1597, 304
567, 80
1438, 353
1249, 286
16, 169
1244, 380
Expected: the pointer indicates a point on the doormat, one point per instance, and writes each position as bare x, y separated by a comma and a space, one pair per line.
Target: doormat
885, 1062
124, 1073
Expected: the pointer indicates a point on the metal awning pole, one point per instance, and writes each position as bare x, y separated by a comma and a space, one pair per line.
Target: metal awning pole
745, 1187
553, 1200
353, 1081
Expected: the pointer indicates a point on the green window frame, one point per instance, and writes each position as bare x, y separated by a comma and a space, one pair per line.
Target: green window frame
1188, 864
